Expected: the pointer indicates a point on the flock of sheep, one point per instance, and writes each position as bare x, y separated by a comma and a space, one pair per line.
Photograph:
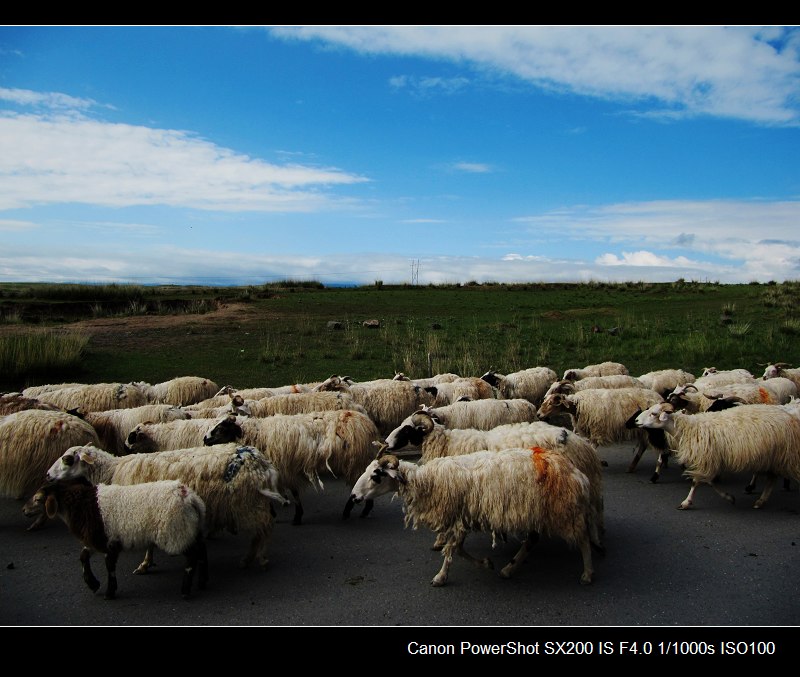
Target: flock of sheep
137, 466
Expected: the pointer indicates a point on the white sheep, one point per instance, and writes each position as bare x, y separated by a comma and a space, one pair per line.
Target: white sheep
715, 398
181, 391
430, 381
515, 491
11, 403
473, 387
713, 377
234, 481
35, 391
602, 369
148, 437
608, 382
386, 401
300, 403
530, 384
421, 432
114, 425
483, 414
759, 438
222, 397
782, 369
303, 446
603, 415
112, 518
96, 397
30, 441
664, 381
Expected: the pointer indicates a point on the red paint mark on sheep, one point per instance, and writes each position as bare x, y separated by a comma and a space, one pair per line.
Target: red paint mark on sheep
765, 396
540, 463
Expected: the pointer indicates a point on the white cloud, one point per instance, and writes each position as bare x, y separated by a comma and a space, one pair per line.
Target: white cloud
54, 100
472, 167
15, 225
47, 160
745, 72
643, 258
429, 85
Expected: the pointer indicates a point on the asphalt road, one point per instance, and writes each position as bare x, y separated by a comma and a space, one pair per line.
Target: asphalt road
717, 564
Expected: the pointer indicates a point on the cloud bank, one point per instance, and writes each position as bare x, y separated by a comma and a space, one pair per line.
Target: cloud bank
747, 73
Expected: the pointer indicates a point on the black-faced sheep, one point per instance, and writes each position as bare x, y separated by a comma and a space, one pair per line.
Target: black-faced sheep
304, 446
759, 438
515, 491
114, 426
113, 518
236, 484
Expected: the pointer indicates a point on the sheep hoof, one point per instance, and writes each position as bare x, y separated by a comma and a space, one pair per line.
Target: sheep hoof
604, 463
685, 505
749, 488
586, 579
758, 504
487, 564
599, 548
438, 582
505, 573
731, 499
654, 478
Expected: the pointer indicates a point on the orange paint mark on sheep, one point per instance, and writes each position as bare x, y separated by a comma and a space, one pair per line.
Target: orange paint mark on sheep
540, 463
765, 396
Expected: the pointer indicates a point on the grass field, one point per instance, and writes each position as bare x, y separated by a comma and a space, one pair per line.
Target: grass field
279, 333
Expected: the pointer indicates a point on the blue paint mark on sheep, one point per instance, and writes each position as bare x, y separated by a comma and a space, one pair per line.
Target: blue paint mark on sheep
242, 453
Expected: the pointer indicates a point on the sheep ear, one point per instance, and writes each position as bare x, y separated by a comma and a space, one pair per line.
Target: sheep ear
86, 457
51, 506
395, 474
663, 416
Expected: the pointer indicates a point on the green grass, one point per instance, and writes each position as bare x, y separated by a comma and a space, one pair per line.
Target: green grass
282, 336
40, 353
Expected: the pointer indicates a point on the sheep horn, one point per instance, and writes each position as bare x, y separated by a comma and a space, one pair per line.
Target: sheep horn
422, 420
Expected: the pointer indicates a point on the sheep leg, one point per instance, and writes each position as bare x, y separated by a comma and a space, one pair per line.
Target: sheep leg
114, 548
441, 539
147, 562
196, 559
641, 445
88, 575
687, 502
751, 485
522, 554
38, 522
771, 477
660, 465
586, 554
455, 537
298, 508
484, 563
368, 504
258, 548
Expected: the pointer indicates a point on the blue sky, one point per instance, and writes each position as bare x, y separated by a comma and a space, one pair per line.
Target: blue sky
242, 155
